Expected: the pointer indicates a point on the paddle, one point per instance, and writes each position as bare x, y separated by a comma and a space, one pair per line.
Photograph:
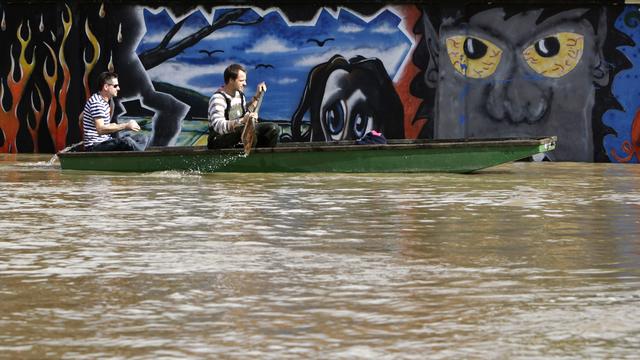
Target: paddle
249, 131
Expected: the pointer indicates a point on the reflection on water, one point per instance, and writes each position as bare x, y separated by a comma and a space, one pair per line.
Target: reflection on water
524, 260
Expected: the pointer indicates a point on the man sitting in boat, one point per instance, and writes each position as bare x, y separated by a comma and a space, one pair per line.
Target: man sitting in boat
229, 112
96, 121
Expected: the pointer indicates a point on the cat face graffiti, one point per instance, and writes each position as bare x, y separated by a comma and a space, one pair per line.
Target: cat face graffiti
517, 76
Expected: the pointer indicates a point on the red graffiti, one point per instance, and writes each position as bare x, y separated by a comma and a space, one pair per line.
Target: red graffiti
411, 103
630, 148
9, 120
37, 114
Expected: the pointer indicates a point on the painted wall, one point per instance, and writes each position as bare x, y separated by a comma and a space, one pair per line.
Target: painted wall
410, 71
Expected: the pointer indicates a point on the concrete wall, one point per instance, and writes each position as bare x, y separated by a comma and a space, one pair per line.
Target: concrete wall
408, 70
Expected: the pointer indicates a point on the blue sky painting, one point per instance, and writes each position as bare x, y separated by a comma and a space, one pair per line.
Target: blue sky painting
287, 48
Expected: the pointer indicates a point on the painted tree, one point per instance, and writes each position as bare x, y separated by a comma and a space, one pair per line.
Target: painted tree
165, 50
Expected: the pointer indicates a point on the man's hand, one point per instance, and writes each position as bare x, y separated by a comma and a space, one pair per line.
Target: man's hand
133, 125
260, 90
247, 117
262, 87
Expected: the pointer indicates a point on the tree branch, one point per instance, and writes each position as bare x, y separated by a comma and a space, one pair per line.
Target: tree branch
159, 54
167, 38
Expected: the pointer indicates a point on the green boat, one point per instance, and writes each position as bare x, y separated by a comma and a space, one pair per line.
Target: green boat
456, 156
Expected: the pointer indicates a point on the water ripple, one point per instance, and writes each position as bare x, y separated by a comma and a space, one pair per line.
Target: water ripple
518, 262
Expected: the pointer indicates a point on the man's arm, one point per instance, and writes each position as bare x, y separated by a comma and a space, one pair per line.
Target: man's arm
260, 90
217, 120
253, 104
110, 128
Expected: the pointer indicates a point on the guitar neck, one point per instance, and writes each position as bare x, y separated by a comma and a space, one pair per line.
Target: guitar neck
259, 96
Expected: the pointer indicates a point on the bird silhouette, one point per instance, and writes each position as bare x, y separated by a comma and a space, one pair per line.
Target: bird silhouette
266, 66
210, 52
320, 42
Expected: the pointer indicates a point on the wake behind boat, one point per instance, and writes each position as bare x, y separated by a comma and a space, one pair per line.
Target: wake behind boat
455, 156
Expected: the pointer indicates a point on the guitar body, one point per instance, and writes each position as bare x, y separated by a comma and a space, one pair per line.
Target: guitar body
249, 131
248, 136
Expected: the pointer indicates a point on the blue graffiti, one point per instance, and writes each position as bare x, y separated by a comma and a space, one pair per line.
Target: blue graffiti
274, 50
621, 120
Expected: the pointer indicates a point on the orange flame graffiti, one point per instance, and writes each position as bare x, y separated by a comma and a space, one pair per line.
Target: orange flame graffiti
88, 66
9, 123
60, 140
110, 66
33, 130
53, 106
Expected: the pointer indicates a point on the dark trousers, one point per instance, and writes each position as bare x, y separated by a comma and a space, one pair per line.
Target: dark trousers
266, 136
133, 142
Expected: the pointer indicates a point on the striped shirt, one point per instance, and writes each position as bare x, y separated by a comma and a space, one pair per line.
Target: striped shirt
217, 108
95, 108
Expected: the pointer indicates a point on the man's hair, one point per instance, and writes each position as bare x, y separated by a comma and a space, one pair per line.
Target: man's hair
231, 72
104, 77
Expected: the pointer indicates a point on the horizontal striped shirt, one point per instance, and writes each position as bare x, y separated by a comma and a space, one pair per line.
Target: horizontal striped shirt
217, 108
95, 108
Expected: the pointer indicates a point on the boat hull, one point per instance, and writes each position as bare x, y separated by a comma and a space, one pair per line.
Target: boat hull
400, 156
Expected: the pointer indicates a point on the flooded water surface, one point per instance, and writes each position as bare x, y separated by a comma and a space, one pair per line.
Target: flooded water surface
526, 260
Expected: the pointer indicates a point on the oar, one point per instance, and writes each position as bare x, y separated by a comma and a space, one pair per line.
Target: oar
249, 130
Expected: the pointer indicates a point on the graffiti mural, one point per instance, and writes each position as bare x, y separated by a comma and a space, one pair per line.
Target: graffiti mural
513, 72
333, 72
284, 53
624, 144
28, 76
346, 100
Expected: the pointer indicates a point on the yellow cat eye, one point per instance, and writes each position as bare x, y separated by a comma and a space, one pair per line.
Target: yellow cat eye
556, 55
473, 57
